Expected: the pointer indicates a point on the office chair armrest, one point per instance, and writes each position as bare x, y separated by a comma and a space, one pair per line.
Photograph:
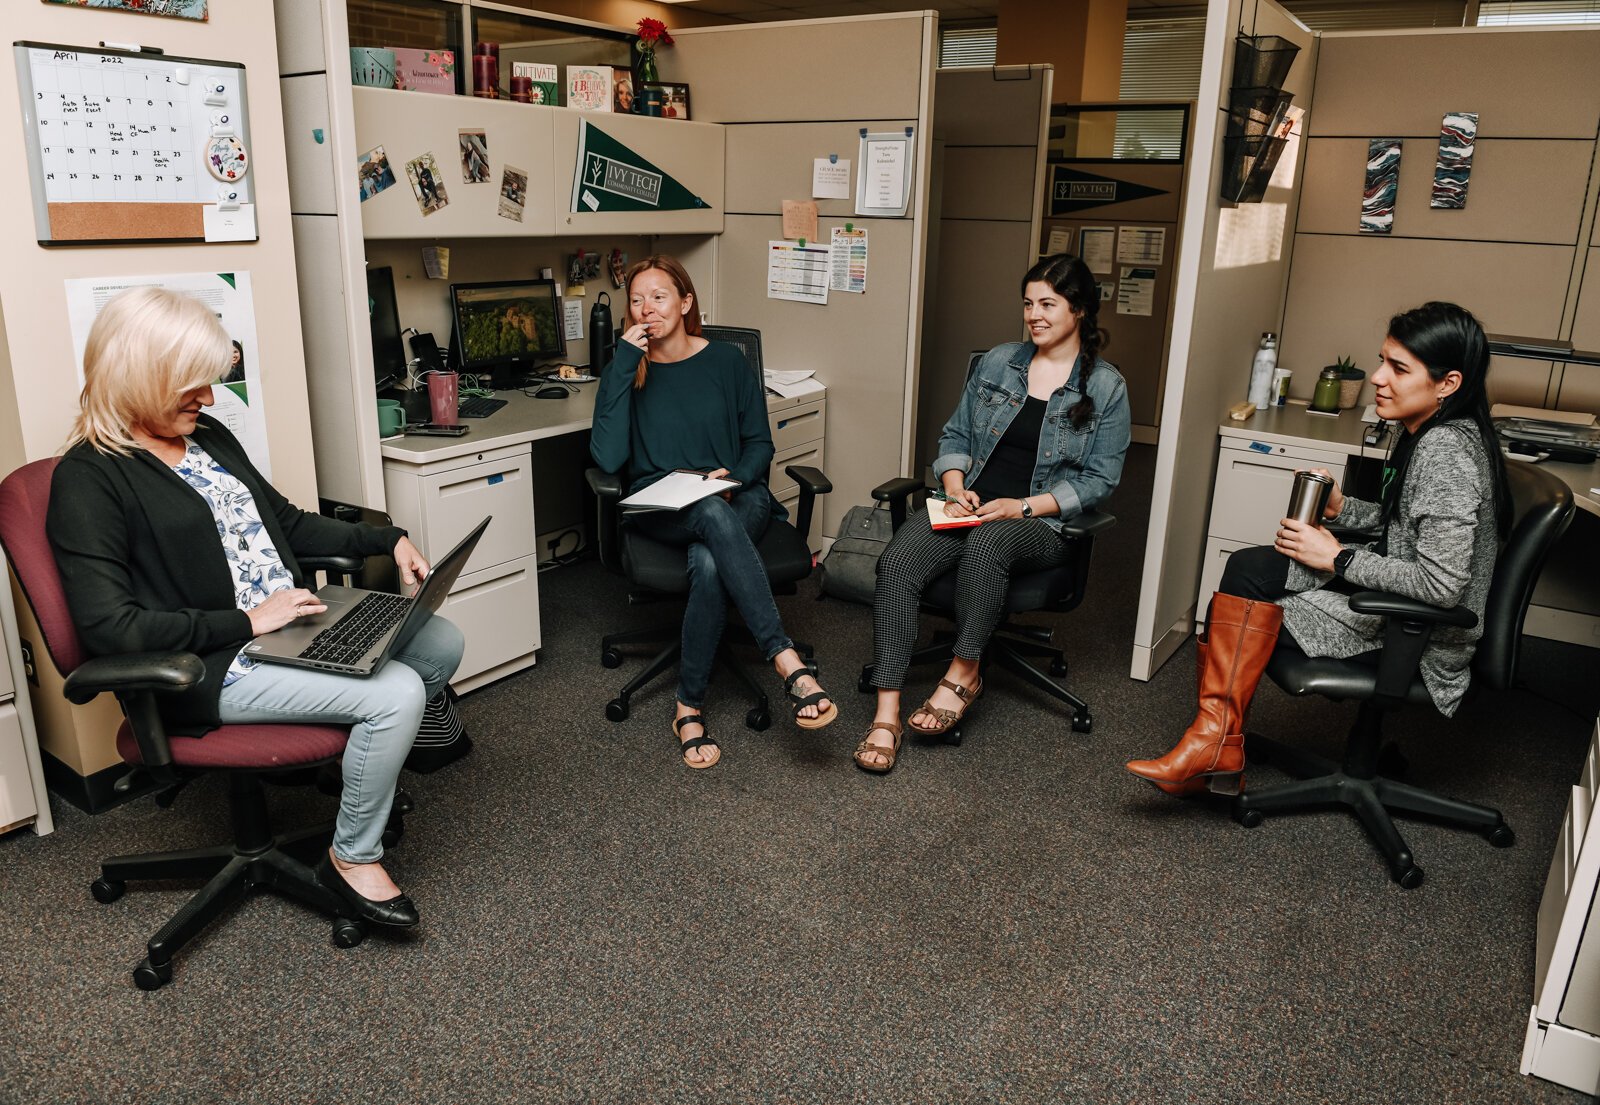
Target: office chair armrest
897, 493
133, 673
337, 569
1387, 605
607, 485
812, 483
1087, 524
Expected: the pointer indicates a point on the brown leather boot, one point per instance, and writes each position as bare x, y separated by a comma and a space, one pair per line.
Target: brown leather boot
1240, 636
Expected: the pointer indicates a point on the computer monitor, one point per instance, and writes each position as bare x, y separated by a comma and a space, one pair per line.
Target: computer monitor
388, 346
503, 328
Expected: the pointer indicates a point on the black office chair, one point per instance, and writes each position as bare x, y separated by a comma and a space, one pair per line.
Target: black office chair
657, 571
250, 754
1543, 509
1056, 590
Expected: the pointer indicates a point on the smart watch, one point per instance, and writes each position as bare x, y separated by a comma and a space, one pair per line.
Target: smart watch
1027, 509
1342, 561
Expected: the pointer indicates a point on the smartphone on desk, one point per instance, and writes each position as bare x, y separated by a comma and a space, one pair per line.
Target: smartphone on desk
435, 429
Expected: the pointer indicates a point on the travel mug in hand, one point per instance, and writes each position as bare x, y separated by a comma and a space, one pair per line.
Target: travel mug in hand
442, 393
1309, 497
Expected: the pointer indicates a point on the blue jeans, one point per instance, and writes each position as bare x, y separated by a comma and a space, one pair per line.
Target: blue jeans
382, 710
723, 564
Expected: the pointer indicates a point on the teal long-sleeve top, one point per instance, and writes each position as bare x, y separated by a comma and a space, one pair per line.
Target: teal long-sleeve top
704, 412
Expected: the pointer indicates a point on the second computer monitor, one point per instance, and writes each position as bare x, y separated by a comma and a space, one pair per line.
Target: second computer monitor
505, 328
388, 347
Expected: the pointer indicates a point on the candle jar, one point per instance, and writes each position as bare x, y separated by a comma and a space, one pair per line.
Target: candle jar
522, 89
486, 70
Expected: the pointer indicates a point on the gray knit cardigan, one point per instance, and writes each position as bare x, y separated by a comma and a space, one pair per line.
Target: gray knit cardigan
1442, 546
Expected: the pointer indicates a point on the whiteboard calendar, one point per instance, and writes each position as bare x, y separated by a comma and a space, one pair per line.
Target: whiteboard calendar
135, 146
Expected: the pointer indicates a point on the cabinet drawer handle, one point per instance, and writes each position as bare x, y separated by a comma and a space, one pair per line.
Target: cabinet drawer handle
488, 585
477, 483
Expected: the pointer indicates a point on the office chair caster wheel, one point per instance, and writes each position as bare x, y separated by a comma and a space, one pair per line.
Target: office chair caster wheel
1410, 878
106, 891
1058, 667
1082, 722
616, 710
348, 933
394, 831
1501, 836
758, 719
1250, 819
611, 658
150, 976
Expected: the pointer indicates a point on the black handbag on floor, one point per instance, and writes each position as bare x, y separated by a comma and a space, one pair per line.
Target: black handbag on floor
850, 570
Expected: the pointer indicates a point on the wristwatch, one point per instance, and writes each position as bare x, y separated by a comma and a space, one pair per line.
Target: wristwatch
1027, 509
1342, 561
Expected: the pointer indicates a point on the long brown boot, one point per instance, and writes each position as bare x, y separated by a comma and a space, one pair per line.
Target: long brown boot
1240, 636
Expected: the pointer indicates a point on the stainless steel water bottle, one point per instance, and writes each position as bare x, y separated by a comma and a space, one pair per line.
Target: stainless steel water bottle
602, 338
1308, 497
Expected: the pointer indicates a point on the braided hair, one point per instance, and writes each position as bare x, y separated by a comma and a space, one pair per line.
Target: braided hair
1443, 337
1071, 279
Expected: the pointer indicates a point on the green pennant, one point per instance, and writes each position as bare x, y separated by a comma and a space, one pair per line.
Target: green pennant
611, 177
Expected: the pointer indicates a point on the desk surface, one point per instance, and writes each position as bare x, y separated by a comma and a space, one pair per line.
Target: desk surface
521, 420
1293, 425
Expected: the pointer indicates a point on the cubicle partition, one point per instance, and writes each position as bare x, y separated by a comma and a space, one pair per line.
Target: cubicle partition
1232, 269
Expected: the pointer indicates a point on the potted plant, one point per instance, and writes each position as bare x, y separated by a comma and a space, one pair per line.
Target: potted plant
1350, 380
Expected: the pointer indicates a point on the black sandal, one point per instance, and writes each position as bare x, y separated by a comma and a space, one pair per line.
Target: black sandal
824, 718
702, 741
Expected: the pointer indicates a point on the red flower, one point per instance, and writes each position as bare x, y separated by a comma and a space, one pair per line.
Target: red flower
653, 32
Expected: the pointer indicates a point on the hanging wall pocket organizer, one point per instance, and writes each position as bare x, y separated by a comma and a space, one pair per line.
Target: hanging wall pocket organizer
134, 146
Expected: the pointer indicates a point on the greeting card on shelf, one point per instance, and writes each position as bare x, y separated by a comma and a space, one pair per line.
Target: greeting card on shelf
425, 70
589, 87
546, 88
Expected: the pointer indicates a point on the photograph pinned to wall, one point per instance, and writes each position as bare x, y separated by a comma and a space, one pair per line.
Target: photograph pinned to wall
474, 156
1457, 137
427, 183
177, 9
228, 295
436, 262
373, 171
618, 264
582, 267
1383, 181
513, 193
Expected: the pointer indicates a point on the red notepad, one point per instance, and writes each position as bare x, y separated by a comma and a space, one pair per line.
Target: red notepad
940, 520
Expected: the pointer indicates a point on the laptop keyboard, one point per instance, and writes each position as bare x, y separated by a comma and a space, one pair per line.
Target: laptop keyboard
479, 406
348, 640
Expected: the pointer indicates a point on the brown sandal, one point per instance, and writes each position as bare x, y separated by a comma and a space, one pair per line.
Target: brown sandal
866, 747
947, 718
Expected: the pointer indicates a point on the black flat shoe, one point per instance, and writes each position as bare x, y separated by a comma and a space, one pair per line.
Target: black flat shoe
396, 912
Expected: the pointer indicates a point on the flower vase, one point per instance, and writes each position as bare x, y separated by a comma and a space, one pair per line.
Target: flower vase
647, 65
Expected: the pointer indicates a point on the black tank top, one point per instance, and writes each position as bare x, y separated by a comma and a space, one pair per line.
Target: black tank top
1009, 472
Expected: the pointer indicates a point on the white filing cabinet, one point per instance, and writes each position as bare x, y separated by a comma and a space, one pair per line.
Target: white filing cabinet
496, 600
798, 422
23, 800
1563, 1040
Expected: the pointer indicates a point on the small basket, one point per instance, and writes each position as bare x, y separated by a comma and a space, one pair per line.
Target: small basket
1350, 387
1262, 61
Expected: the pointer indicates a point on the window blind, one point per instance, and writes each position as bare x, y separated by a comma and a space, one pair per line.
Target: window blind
1512, 13
1377, 15
1161, 58
967, 47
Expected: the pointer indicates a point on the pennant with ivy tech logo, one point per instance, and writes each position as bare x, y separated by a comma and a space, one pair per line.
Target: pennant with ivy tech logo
611, 177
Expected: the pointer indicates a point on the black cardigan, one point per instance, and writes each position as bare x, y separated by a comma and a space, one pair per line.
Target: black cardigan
143, 568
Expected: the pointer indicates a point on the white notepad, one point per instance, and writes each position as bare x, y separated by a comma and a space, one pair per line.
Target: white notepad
676, 490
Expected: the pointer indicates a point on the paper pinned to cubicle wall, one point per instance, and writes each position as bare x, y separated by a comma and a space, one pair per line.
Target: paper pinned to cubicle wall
797, 272
1097, 246
848, 260
830, 179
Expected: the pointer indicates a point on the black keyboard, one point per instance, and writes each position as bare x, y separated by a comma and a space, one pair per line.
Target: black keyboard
479, 406
349, 639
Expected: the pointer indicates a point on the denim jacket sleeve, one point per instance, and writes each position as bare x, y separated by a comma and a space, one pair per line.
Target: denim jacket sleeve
1087, 485
955, 440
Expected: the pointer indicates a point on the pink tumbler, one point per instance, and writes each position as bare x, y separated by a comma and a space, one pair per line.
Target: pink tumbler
442, 388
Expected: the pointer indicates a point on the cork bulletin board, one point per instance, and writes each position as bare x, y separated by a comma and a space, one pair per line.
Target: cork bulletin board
134, 146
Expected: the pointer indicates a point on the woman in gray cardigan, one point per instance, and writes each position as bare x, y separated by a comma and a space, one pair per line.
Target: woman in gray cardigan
1443, 513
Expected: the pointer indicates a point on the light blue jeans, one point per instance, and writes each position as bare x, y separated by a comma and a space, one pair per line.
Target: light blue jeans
382, 710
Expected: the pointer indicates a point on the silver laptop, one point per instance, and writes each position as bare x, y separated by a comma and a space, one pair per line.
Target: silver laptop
361, 629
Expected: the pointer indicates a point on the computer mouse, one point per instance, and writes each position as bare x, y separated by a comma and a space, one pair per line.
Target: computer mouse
551, 393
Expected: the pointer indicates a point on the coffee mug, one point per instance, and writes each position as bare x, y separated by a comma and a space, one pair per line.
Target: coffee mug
391, 417
652, 101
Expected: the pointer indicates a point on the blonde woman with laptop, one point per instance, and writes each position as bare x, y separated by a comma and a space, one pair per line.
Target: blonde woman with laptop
168, 538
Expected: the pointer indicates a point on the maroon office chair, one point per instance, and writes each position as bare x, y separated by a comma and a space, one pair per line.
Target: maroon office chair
256, 857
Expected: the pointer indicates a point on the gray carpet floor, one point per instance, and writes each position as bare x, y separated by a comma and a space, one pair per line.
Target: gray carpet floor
1013, 920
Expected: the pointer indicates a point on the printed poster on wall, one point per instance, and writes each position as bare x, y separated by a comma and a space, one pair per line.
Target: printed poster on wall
237, 395
611, 177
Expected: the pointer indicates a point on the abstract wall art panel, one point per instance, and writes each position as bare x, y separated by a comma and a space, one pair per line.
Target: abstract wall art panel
1457, 137
1383, 179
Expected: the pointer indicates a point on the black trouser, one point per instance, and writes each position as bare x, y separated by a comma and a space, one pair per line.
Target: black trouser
1260, 573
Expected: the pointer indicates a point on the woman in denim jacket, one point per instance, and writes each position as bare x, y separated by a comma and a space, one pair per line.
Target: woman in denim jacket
1039, 435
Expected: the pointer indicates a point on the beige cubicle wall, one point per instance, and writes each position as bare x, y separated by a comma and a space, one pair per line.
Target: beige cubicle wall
989, 128
1513, 255
868, 72
1232, 268
38, 376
